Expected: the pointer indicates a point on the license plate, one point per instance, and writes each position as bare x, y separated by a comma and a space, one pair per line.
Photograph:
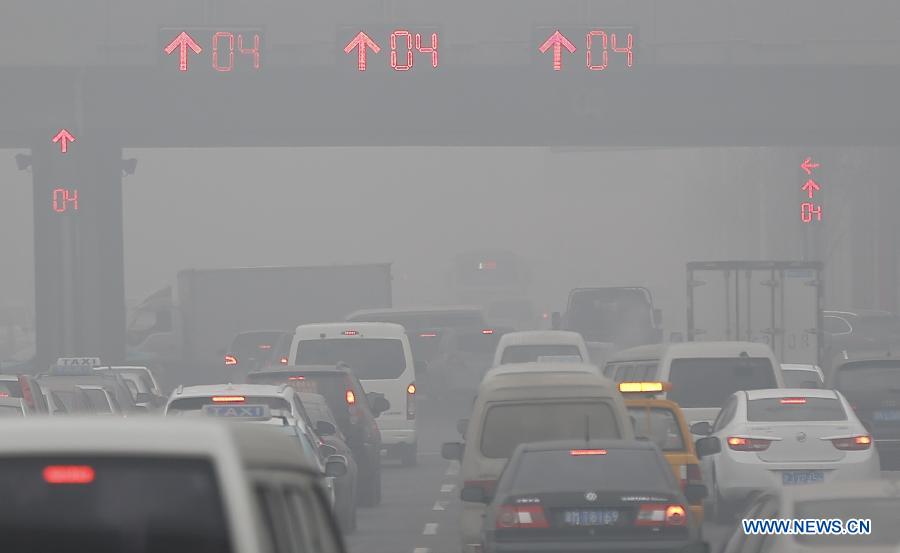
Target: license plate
887, 415
800, 477
305, 386
591, 517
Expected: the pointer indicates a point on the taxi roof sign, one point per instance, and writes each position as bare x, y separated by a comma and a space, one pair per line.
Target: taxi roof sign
644, 387
75, 366
242, 412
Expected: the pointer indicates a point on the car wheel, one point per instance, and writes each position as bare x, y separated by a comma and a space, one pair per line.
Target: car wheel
719, 511
409, 454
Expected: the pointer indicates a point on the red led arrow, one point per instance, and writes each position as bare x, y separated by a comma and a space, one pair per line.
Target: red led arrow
810, 188
63, 137
557, 41
361, 42
183, 42
808, 165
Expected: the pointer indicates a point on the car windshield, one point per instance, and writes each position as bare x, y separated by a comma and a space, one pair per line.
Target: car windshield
508, 425
708, 382
531, 353
881, 511
795, 409
52, 503
626, 470
368, 358
658, 425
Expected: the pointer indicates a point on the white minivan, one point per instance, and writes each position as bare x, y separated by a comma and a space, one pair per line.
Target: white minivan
702, 374
380, 357
531, 346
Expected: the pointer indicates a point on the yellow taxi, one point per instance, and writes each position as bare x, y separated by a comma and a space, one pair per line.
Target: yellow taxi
662, 422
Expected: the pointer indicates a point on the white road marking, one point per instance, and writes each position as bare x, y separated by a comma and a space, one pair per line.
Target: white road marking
430, 529
452, 470
440, 506
447, 488
421, 550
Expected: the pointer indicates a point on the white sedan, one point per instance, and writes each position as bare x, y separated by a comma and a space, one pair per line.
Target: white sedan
781, 437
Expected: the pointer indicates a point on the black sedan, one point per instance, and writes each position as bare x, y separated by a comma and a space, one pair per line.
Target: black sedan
577, 496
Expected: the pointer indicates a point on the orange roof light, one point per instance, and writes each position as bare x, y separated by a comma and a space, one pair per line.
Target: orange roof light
228, 399
644, 387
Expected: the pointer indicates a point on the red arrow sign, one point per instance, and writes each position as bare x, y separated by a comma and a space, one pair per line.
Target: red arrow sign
63, 137
361, 42
808, 165
557, 41
182, 42
810, 188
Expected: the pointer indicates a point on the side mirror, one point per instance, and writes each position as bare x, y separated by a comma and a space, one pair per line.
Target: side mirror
327, 450
657, 317
702, 428
461, 426
474, 494
421, 367
695, 493
325, 428
336, 465
378, 403
452, 451
709, 445
555, 320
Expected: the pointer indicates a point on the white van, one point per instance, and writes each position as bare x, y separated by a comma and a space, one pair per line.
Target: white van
541, 345
531, 402
157, 485
702, 374
380, 357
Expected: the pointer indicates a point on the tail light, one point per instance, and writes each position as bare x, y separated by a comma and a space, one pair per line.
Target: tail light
690, 474
521, 516
487, 331
428, 335
283, 360
661, 514
4, 394
228, 399
739, 443
853, 443
230, 360
411, 402
793, 401
350, 397
68, 474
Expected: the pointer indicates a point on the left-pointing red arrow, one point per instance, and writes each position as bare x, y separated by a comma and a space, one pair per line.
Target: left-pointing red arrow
183, 42
63, 137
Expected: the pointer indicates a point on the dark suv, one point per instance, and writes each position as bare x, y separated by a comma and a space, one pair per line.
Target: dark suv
353, 410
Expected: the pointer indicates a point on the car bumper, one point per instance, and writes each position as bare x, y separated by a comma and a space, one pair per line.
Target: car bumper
737, 480
394, 437
654, 546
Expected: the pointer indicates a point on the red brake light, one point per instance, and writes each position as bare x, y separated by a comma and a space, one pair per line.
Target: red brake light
487, 331
350, 333
854, 443
265, 346
793, 401
351, 397
428, 334
296, 378
228, 399
230, 360
4, 394
68, 474
283, 360
580, 452
659, 514
739, 443
521, 516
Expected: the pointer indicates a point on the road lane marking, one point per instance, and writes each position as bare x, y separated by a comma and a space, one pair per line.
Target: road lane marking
421, 550
452, 470
430, 529
447, 488
440, 506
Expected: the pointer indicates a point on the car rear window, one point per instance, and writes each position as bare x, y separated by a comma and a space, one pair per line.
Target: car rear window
10, 411
618, 469
533, 353
111, 505
368, 358
508, 425
98, 400
868, 376
882, 511
331, 386
254, 344
10, 388
795, 409
657, 425
708, 382
800, 379
196, 403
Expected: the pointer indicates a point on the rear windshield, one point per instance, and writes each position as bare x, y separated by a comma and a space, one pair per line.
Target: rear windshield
618, 469
708, 382
508, 425
254, 343
98, 400
333, 387
369, 358
795, 409
657, 425
532, 353
800, 379
882, 511
10, 388
10, 411
868, 377
196, 403
111, 505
